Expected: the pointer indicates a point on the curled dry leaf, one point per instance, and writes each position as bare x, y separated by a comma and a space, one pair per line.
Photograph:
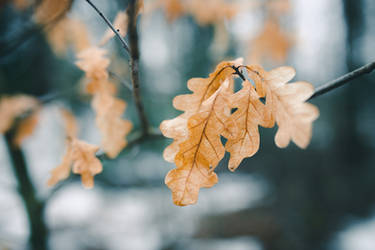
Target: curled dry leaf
79, 154
200, 153
12, 107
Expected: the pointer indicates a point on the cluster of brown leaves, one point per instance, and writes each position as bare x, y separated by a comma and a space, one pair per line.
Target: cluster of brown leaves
80, 157
14, 107
197, 147
108, 108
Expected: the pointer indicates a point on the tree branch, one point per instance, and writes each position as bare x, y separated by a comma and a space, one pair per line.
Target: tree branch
368, 68
34, 207
134, 63
123, 42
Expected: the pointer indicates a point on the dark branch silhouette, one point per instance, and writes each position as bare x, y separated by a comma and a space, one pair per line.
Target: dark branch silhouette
368, 68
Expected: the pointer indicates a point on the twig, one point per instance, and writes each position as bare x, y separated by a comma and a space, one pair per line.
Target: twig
368, 68
123, 42
134, 63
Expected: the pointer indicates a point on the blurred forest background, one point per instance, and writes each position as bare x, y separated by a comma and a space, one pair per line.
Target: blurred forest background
291, 199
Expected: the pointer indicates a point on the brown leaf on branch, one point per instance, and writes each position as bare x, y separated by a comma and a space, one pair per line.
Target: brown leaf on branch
68, 32
85, 162
249, 115
287, 105
197, 146
79, 154
202, 89
272, 43
200, 153
108, 108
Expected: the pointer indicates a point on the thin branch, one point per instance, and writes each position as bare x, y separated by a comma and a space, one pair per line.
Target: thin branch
368, 68
134, 63
123, 42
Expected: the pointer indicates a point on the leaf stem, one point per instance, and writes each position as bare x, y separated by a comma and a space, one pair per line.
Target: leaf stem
123, 42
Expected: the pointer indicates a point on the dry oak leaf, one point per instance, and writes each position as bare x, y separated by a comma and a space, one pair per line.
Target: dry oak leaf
272, 43
202, 89
94, 63
12, 107
200, 153
113, 128
79, 154
250, 113
212, 11
66, 32
85, 161
288, 107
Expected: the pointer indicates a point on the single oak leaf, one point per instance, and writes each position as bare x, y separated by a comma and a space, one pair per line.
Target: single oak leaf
202, 89
272, 43
80, 157
288, 107
200, 153
250, 113
85, 161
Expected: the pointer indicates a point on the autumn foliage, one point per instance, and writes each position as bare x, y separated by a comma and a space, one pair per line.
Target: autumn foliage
213, 111
197, 147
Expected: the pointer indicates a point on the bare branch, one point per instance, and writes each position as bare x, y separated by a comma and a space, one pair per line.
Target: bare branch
123, 42
368, 68
134, 63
